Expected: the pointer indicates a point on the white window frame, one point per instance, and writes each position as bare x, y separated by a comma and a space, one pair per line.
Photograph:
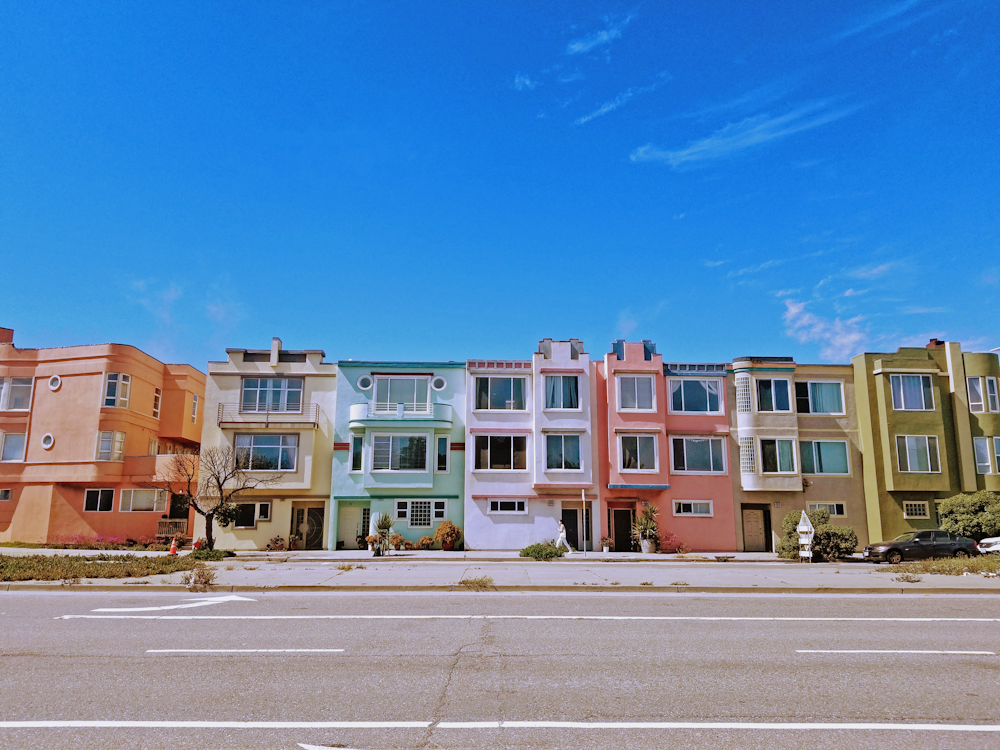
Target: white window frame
447, 454
927, 444
252, 435
809, 393
912, 503
563, 435
899, 379
157, 401
685, 438
976, 406
123, 387
992, 395
154, 447
679, 508
545, 394
406, 506
996, 453
847, 450
636, 375
116, 451
785, 472
24, 446
721, 395
521, 507
789, 389
500, 433
283, 389
525, 391
98, 491
656, 453
983, 442
6, 384
427, 452
5, 495
358, 451
259, 516
194, 408
159, 500
828, 506
413, 407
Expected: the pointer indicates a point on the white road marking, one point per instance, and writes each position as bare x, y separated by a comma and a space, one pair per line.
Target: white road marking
243, 650
199, 602
878, 651
642, 725
620, 618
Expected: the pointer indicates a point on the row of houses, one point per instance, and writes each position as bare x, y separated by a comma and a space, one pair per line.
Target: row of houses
505, 449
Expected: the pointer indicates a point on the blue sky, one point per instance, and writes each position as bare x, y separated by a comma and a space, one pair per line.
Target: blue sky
451, 180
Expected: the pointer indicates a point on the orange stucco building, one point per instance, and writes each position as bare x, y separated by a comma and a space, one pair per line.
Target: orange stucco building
83, 432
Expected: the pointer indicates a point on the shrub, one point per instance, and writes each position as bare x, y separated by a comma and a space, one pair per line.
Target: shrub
829, 542
425, 542
975, 515
396, 540
210, 554
482, 583
56, 567
447, 532
543, 550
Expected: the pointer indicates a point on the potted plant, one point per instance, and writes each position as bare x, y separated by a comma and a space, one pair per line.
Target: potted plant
292, 540
383, 530
408, 545
361, 541
375, 542
646, 529
425, 542
447, 533
396, 540
606, 542
276, 544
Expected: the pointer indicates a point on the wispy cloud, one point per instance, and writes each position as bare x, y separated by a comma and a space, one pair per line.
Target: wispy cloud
737, 137
611, 106
626, 322
923, 310
786, 292
523, 82
754, 269
713, 263
856, 292
599, 38
869, 271
839, 339
876, 21
751, 100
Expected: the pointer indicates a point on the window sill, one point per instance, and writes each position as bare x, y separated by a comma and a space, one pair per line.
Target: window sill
825, 413
578, 410
564, 471
693, 515
825, 474
697, 413
639, 471
699, 473
501, 471
914, 472
396, 471
637, 411
779, 473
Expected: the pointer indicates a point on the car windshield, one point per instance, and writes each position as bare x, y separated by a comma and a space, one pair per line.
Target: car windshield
905, 537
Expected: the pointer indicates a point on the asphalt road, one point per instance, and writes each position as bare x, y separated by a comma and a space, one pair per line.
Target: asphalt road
444, 670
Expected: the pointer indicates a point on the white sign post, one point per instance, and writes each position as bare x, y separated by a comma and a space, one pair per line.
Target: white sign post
806, 532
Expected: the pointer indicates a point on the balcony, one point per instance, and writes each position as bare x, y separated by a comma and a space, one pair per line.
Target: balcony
233, 415
171, 527
379, 412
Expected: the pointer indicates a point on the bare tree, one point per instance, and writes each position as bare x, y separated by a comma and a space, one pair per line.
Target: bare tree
211, 482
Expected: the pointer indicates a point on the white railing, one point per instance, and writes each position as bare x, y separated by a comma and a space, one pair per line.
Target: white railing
391, 407
236, 414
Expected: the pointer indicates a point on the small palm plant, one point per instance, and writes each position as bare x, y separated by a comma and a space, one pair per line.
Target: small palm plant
646, 528
383, 529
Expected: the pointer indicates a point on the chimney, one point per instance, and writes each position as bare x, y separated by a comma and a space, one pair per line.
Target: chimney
6, 335
935, 344
275, 348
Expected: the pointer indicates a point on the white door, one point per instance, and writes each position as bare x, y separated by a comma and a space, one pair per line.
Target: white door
349, 526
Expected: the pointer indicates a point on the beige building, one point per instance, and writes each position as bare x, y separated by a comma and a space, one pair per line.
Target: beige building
275, 407
795, 445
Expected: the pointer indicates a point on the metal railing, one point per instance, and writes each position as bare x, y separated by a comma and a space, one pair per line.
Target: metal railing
236, 414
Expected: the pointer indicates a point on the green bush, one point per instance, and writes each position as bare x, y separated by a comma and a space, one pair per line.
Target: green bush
543, 550
210, 554
58, 567
976, 515
829, 542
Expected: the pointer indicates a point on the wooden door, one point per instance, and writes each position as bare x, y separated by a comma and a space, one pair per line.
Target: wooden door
754, 538
349, 526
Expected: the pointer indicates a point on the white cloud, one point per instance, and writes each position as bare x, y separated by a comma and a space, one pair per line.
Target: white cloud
786, 292
737, 137
610, 106
598, 39
869, 271
839, 339
754, 269
522, 82
855, 292
626, 323
889, 14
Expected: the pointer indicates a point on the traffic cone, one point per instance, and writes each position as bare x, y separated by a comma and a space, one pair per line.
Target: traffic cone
173, 546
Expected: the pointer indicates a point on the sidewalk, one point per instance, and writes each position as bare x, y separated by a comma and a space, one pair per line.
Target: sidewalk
337, 572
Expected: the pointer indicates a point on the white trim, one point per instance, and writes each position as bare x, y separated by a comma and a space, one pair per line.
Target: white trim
351, 454
992, 395
390, 406
194, 408
123, 383
116, 451
833, 513
685, 471
99, 490
789, 391
847, 452
371, 383
500, 433
563, 435
444, 383
985, 442
788, 472
710, 514
447, 454
252, 435
51, 441
925, 503
843, 400
561, 409
522, 512
525, 393
433, 502
159, 500
892, 397
656, 454
24, 446
427, 440
5, 386
54, 383
157, 402
937, 452
636, 375
721, 395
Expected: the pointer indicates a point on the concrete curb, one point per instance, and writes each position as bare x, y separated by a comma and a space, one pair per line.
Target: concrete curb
517, 560
57, 587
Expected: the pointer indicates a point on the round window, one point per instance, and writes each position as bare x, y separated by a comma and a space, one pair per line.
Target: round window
365, 382
438, 383
48, 441
54, 382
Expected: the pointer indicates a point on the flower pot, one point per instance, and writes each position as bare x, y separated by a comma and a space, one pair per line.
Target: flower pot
377, 552
396, 547
605, 549
447, 546
648, 546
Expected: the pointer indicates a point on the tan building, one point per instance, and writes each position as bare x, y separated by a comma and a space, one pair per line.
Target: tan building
930, 427
84, 430
795, 447
276, 408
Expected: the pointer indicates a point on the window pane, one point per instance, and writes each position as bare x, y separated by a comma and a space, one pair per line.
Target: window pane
442, 454
928, 400
482, 393
916, 453
676, 400
699, 457
403, 391
20, 393
482, 452
409, 452
932, 451
91, 499
695, 395
554, 451
717, 461
991, 392
421, 391
357, 451
780, 388
982, 448
768, 455
765, 398
679, 463
553, 392
382, 391
570, 396
13, 447
571, 452
420, 513
802, 398
975, 394
996, 452
630, 453
901, 455
500, 393
831, 457
520, 452
808, 462
826, 398
245, 516
627, 386
644, 393
786, 457
517, 394
713, 395
647, 453
500, 451
381, 451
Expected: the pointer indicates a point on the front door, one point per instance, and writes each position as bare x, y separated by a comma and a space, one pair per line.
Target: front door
569, 519
308, 524
754, 538
622, 529
349, 526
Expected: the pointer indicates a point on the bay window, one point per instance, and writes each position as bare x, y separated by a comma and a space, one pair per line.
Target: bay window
267, 452
110, 445
116, 388
911, 392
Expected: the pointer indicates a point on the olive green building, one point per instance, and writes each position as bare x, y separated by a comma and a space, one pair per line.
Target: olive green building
930, 428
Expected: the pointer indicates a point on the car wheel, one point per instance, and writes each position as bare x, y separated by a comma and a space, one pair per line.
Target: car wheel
961, 553
894, 557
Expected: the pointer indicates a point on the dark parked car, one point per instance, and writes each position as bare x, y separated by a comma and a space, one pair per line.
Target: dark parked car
918, 545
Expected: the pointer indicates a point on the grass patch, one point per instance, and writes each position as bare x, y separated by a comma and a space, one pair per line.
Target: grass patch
543, 551
211, 554
646, 583
345, 567
128, 545
907, 578
199, 578
679, 583
946, 566
65, 568
482, 583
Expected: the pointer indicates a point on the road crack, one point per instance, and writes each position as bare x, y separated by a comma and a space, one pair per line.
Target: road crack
437, 715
